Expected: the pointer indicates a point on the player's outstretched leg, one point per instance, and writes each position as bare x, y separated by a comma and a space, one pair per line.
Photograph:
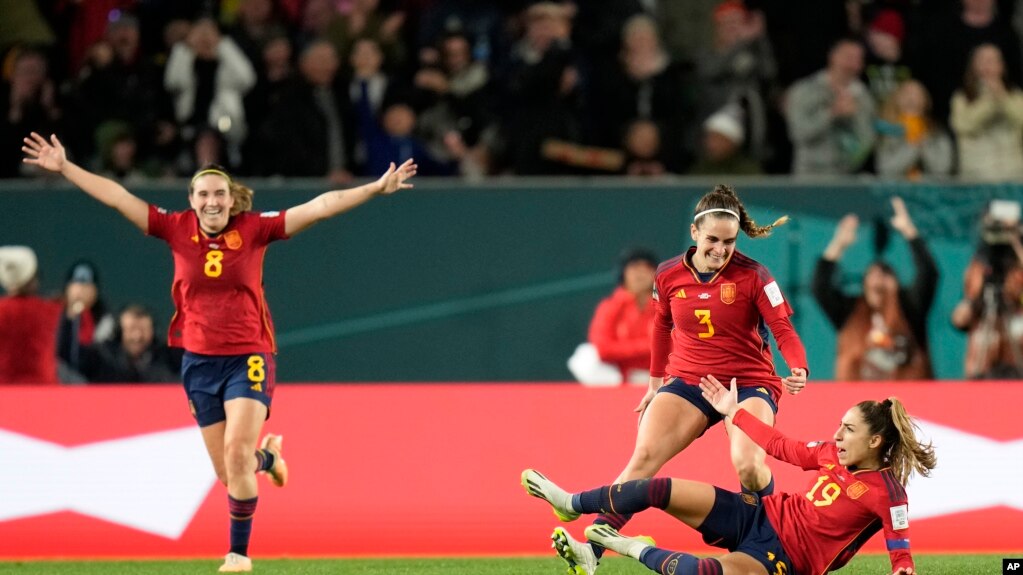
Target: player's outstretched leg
537, 485
236, 563
578, 556
642, 549
271, 461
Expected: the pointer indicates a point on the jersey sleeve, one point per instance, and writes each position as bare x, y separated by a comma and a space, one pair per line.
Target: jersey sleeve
775, 310
776, 444
660, 340
271, 227
160, 223
894, 513
789, 343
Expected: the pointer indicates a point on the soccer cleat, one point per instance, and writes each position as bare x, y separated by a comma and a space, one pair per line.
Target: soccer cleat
608, 538
539, 486
579, 556
235, 563
279, 472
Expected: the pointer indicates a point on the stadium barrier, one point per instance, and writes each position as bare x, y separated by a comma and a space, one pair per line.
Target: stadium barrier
115, 471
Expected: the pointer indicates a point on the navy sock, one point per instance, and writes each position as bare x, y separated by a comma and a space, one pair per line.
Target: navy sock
664, 561
264, 460
624, 498
614, 520
763, 492
241, 511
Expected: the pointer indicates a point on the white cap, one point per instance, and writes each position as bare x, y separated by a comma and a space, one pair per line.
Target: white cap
725, 123
17, 267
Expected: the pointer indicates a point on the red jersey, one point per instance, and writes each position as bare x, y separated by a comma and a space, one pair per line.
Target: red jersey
841, 510
28, 339
620, 330
218, 281
720, 326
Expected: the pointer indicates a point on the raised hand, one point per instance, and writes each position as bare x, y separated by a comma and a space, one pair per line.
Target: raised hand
901, 220
394, 178
724, 400
47, 155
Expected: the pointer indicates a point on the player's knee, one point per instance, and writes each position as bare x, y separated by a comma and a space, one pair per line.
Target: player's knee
645, 461
238, 459
748, 470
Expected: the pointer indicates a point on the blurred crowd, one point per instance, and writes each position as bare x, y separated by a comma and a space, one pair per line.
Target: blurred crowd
338, 88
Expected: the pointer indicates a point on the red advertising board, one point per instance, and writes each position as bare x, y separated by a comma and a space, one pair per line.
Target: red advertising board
434, 469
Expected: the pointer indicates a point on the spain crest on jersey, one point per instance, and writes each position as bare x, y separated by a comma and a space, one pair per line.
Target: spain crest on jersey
233, 239
728, 293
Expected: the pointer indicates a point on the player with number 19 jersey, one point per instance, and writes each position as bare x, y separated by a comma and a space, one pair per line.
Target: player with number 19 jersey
717, 323
220, 307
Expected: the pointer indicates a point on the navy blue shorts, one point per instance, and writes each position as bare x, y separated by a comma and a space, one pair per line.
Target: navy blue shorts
692, 394
738, 522
210, 380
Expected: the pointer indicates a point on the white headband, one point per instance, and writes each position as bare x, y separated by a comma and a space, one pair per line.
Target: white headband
712, 210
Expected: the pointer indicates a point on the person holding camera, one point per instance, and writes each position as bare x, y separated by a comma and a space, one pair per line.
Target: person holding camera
991, 311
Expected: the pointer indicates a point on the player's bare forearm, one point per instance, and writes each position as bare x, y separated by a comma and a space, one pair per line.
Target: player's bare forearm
110, 193
326, 206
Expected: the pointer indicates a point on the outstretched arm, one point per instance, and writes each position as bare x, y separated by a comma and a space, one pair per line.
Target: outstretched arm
330, 204
50, 155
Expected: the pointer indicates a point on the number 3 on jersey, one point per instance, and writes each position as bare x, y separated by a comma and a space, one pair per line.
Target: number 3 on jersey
257, 372
704, 316
214, 264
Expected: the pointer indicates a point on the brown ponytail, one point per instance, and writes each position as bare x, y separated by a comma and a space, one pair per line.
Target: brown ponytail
900, 449
723, 197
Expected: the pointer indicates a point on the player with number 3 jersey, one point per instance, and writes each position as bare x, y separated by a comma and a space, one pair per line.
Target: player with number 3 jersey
221, 318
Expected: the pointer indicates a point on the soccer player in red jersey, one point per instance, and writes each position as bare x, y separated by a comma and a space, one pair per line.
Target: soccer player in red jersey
858, 491
221, 318
714, 309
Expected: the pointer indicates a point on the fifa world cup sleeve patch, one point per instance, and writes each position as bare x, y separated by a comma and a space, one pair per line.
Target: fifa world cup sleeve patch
900, 517
656, 296
774, 294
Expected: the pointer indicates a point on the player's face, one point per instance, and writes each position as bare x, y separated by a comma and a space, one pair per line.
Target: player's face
856, 445
715, 242
212, 201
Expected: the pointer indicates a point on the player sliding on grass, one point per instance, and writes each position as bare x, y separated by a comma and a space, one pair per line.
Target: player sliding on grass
221, 318
857, 492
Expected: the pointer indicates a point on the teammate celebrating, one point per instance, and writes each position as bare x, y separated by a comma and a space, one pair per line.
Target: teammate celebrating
714, 308
222, 320
857, 492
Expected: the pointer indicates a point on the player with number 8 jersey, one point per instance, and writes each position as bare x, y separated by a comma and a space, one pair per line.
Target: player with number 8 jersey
221, 319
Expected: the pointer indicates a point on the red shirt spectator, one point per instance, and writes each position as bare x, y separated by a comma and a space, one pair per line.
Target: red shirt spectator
28, 323
620, 330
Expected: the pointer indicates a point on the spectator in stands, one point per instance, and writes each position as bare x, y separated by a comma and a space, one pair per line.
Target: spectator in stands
643, 150
363, 19
258, 23
540, 89
28, 101
646, 85
831, 116
274, 74
910, 143
208, 77
454, 96
738, 68
885, 67
368, 83
722, 153
949, 41
393, 136
118, 84
303, 134
882, 332
987, 118
991, 310
85, 321
133, 355
28, 323
618, 347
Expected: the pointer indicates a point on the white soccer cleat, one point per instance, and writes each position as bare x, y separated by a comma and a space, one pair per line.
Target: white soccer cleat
279, 472
235, 563
537, 485
579, 556
609, 538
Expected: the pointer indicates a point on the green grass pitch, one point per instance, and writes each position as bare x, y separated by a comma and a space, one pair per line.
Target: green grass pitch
862, 565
